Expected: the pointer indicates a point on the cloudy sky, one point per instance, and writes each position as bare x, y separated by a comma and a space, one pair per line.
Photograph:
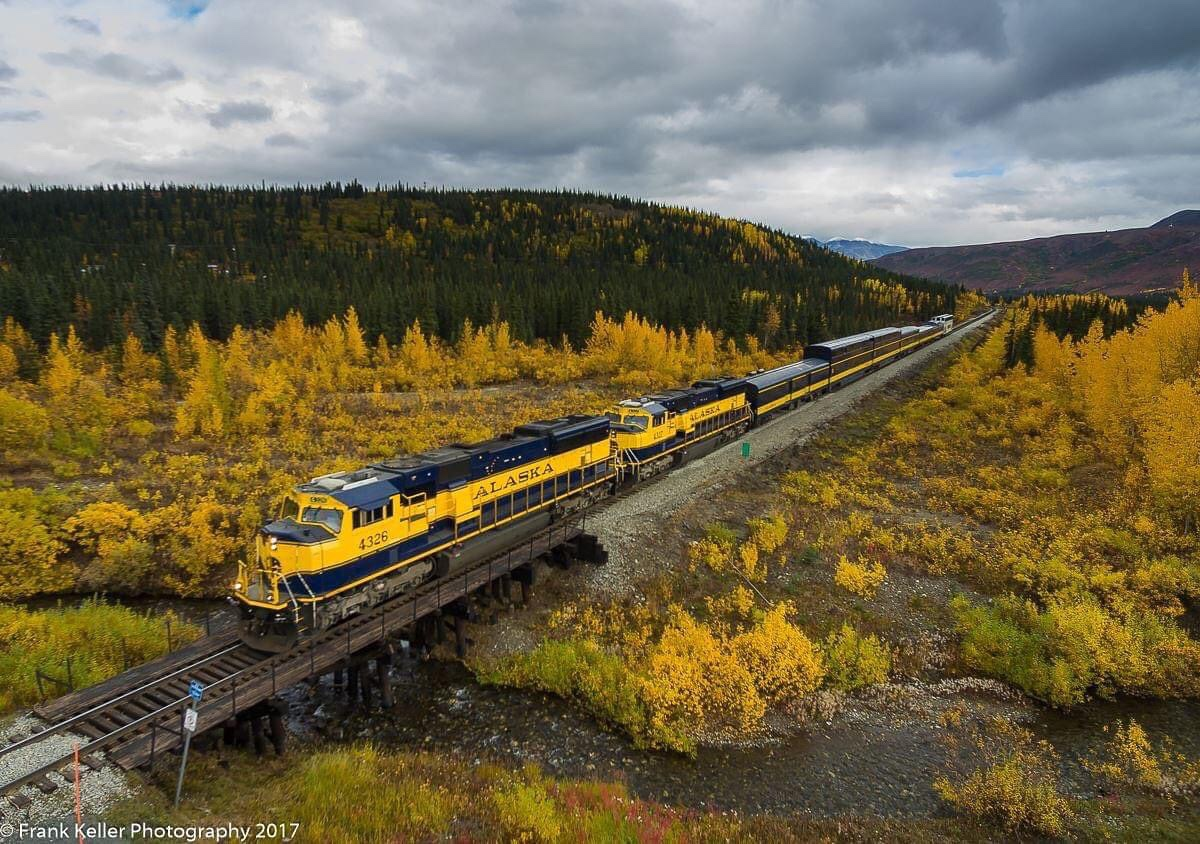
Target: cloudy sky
917, 122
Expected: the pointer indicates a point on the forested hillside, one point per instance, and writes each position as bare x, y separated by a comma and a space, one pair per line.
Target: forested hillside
125, 261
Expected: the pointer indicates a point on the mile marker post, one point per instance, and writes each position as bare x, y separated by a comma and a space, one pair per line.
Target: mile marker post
78, 797
190, 716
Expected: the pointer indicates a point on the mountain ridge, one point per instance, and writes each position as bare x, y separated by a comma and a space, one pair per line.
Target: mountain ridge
1123, 262
859, 248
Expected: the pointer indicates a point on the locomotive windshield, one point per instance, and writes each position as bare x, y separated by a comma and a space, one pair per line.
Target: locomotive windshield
629, 419
330, 519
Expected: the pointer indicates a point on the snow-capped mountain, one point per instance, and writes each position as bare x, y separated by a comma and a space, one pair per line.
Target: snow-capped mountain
857, 247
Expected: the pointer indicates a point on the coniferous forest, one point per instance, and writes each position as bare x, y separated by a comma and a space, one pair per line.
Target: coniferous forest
120, 261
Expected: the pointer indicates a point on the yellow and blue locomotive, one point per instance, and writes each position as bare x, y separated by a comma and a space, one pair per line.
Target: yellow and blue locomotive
656, 432
347, 541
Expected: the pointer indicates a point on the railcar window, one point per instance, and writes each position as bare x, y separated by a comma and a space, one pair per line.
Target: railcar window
290, 509
362, 518
638, 422
331, 519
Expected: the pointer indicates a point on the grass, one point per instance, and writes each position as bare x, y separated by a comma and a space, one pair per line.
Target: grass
365, 794
96, 636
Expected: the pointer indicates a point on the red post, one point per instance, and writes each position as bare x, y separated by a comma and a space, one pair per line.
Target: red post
78, 798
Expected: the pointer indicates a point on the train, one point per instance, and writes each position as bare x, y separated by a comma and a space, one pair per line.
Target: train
345, 542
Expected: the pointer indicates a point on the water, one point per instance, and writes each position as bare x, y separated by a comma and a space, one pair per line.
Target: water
875, 757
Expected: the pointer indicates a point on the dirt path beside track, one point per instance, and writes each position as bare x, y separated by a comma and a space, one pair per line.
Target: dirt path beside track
624, 524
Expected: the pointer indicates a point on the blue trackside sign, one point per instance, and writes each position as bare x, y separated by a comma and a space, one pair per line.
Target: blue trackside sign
195, 690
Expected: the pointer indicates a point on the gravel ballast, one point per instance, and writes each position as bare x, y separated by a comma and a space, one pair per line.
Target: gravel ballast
98, 790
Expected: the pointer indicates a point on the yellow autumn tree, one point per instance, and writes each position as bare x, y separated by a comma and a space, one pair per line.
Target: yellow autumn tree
1171, 439
206, 404
79, 409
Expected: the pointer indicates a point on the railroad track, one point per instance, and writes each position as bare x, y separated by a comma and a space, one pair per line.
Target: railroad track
137, 715
114, 715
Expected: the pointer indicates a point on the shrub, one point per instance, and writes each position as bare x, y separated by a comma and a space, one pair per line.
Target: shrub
769, 532
1130, 760
29, 556
693, 683
863, 578
783, 662
708, 553
580, 670
749, 563
720, 534
854, 660
1015, 787
528, 813
1075, 647
99, 521
23, 424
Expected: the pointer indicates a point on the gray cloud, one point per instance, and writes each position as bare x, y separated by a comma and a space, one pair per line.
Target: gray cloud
119, 66
20, 116
241, 111
89, 27
283, 139
334, 92
7, 71
848, 117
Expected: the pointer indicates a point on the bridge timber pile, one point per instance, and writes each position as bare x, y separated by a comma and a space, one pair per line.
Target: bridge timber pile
136, 716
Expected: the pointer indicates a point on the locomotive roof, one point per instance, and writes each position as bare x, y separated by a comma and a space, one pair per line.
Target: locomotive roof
372, 486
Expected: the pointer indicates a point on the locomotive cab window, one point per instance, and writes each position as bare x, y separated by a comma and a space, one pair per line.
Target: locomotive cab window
362, 518
289, 509
330, 519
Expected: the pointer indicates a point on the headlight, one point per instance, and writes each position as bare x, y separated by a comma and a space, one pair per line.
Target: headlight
237, 587
274, 543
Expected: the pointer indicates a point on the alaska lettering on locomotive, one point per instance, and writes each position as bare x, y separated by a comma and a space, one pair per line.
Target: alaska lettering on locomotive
515, 479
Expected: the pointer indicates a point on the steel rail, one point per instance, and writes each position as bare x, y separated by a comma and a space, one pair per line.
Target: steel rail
116, 701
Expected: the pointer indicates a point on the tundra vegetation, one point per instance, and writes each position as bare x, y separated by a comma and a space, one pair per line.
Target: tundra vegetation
97, 638
334, 796
1055, 500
